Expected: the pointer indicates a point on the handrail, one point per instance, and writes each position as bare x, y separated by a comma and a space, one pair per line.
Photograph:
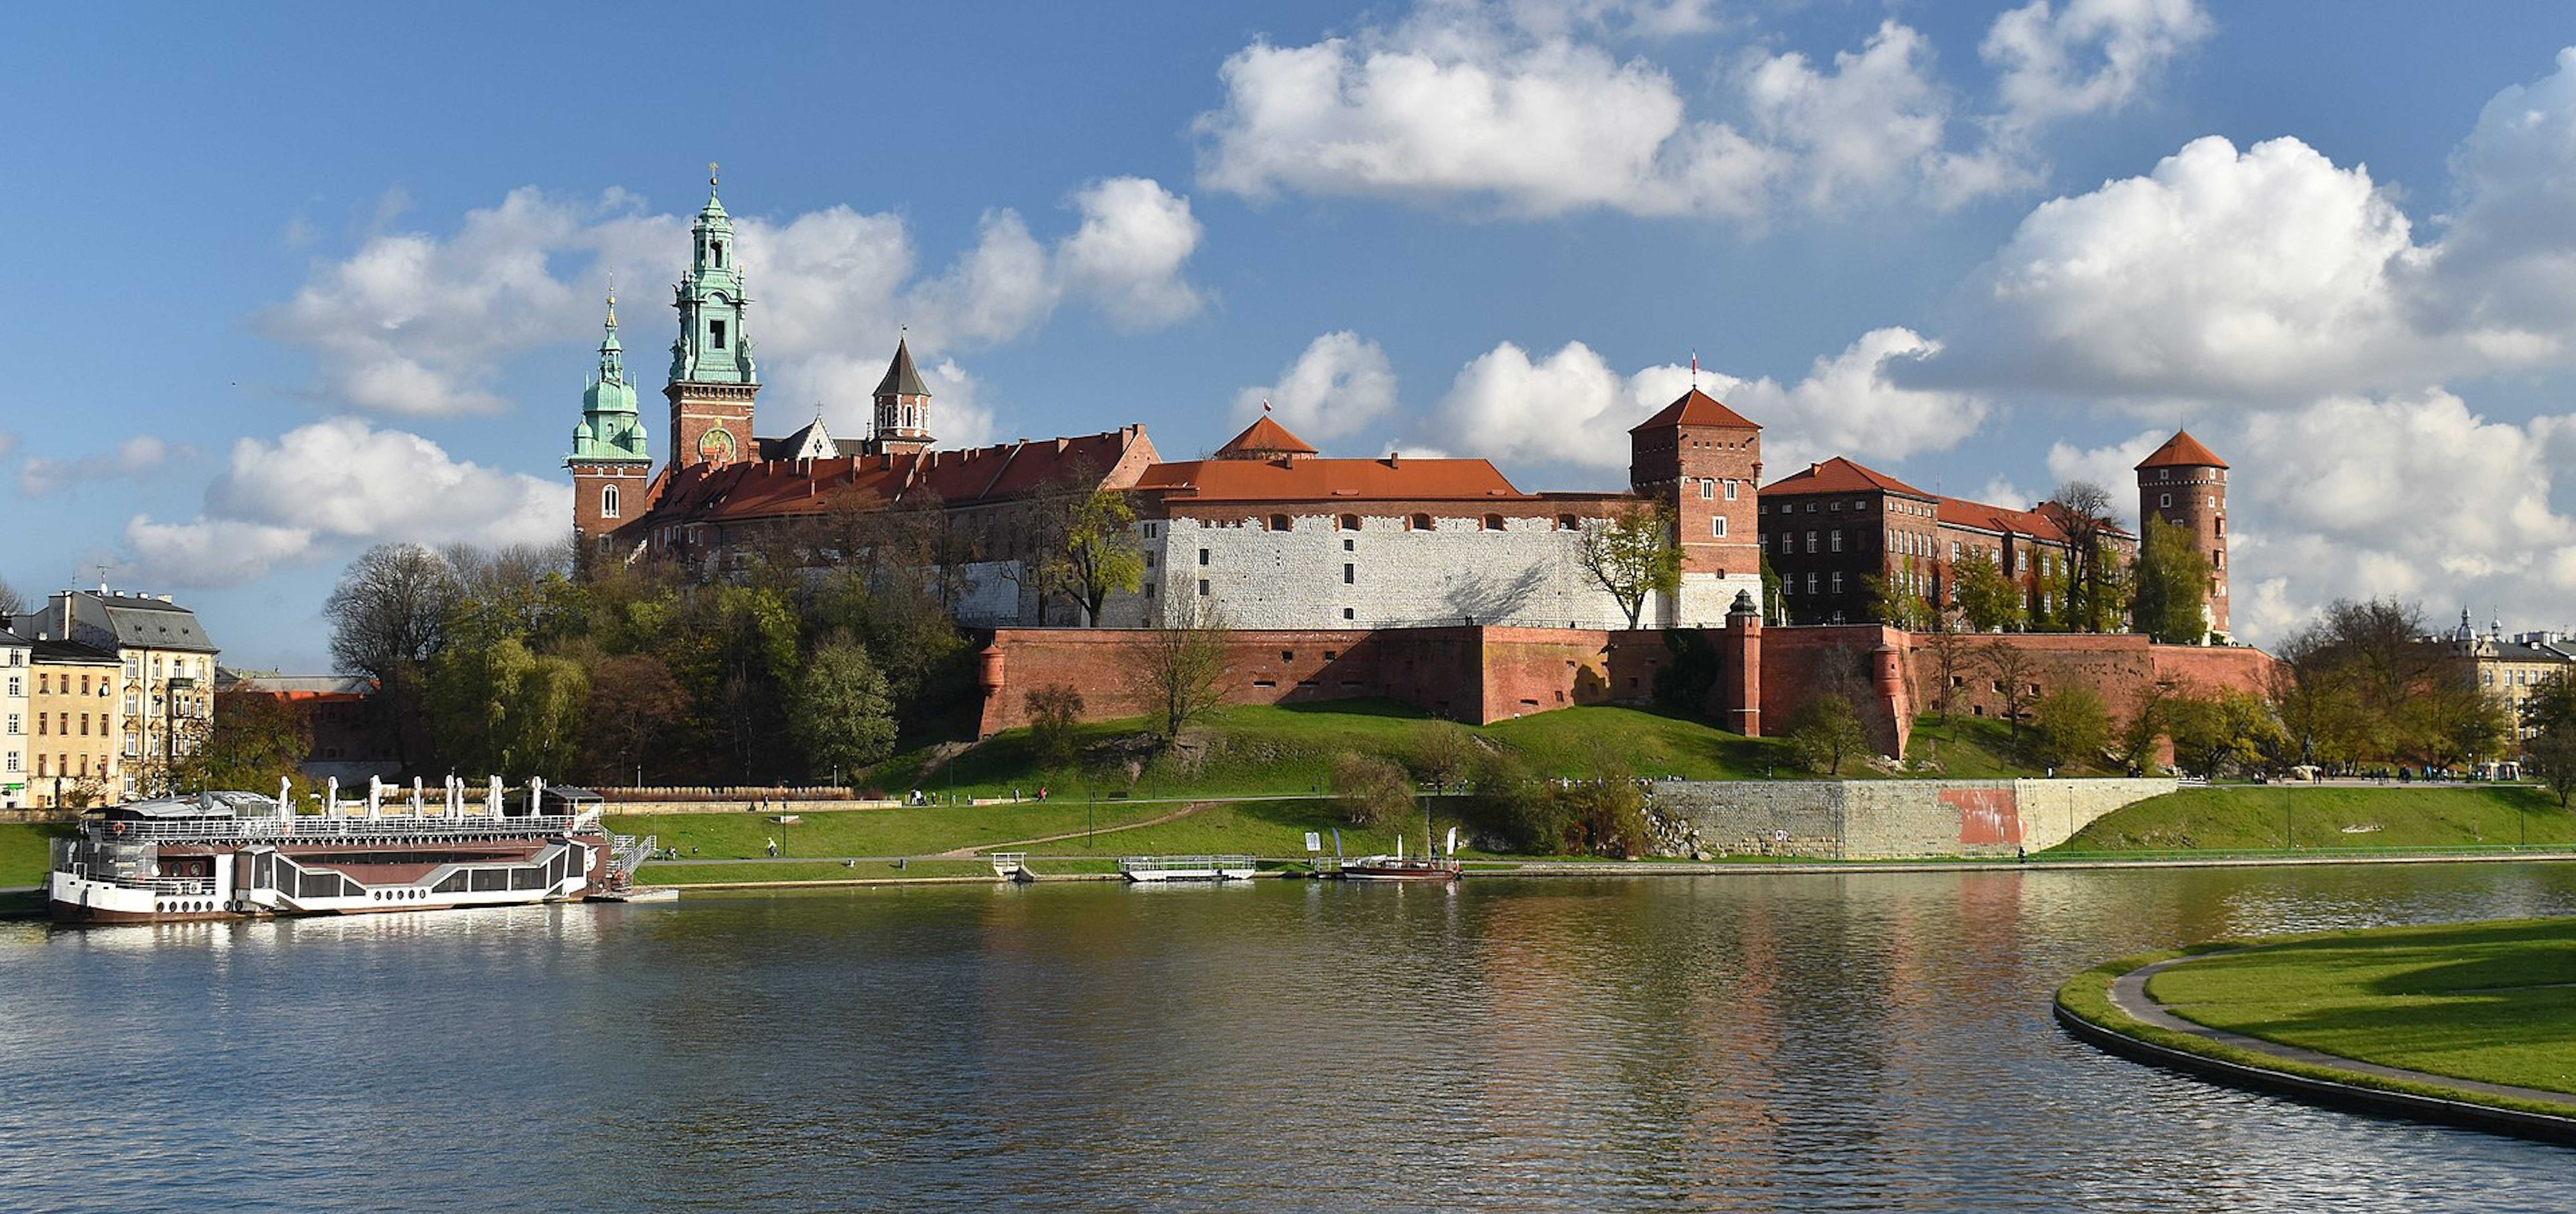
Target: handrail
390, 826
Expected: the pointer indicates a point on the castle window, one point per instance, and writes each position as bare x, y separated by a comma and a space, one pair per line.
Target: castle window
1493, 522
1350, 522
2222, 524
1730, 490
1566, 522
1287, 655
1419, 522
715, 333
1838, 581
1707, 490
1837, 542
1279, 522
2164, 500
1350, 545
608, 501
1203, 587
719, 247
1811, 541
1811, 583
1329, 655
1717, 526
1350, 574
1203, 558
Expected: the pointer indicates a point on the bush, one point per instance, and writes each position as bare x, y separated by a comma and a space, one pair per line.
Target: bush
1053, 709
2074, 727
1602, 818
1825, 733
1371, 791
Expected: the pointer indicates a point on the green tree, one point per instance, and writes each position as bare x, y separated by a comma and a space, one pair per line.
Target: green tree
2224, 731
1053, 710
1825, 733
501, 710
2074, 727
254, 741
1633, 556
840, 714
635, 710
1896, 607
1603, 816
1371, 791
1987, 599
2452, 722
1099, 553
2172, 585
2550, 713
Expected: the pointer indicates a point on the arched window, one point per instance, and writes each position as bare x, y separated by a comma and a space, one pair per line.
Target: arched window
1419, 522
719, 253
608, 501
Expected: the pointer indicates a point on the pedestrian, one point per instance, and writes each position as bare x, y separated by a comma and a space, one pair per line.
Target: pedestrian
773, 849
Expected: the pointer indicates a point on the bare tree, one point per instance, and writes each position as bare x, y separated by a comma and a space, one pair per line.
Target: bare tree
1951, 654
11, 602
388, 619
1632, 555
1184, 668
2012, 669
2084, 512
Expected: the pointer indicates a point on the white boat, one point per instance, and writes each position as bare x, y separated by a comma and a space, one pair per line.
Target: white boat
1145, 869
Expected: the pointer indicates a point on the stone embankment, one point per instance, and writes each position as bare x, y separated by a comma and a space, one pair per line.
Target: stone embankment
1880, 819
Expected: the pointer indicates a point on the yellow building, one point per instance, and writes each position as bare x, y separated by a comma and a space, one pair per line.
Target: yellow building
74, 727
164, 689
2507, 669
15, 679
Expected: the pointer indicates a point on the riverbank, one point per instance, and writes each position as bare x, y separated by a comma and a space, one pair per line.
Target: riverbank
2462, 1023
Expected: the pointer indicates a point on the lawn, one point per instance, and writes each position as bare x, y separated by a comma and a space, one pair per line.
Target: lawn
2234, 817
875, 832
1978, 748
2488, 1001
24, 851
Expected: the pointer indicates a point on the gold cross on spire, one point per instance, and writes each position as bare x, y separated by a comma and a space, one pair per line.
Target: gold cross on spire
711, 174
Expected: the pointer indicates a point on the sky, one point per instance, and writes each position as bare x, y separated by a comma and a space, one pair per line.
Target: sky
327, 276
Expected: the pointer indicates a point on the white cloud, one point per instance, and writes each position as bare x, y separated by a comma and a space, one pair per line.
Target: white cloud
843, 383
1338, 386
334, 485
1571, 408
135, 456
2414, 496
2088, 57
413, 324
1526, 107
1135, 239
2114, 467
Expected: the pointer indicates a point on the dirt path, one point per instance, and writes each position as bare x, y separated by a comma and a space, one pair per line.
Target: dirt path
969, 853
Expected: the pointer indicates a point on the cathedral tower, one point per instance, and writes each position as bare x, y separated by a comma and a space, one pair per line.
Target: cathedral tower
611, 461
2185, 484
713, 378
903, 407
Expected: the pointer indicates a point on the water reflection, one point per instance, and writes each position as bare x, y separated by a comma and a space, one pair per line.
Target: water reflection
1794, 1042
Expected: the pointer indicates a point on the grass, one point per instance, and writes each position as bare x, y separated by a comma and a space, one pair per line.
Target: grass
2423, 998
1978, 748
664, 873
25, 851
1270, 749
2276, 816
875, 832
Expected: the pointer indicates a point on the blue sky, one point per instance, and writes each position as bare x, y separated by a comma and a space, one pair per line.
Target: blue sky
318, 278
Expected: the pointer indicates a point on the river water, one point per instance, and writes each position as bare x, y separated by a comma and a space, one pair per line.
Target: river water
1854, 1042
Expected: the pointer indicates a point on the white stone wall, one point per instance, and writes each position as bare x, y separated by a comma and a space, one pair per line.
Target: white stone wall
1885, 819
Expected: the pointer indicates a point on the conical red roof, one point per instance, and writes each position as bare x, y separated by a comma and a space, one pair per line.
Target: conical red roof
1695, 408
2183, 451
1264, 439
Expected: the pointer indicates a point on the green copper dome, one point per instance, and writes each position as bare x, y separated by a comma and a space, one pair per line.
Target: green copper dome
611, 430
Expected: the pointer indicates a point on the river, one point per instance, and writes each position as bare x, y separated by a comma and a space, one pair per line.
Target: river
1859, 1042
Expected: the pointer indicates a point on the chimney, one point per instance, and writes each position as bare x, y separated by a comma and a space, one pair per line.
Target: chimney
1392, 457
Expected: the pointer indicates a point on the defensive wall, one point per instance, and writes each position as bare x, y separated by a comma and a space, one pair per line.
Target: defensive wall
1892, 819
1483, 674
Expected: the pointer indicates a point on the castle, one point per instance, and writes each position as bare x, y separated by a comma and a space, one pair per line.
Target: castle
1284, 540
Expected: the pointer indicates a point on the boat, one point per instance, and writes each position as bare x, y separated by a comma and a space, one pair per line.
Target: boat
1145, 870
1400, 867
241, 855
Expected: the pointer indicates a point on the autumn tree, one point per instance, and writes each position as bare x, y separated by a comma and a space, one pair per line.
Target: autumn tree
2550, 714
839, 713
2012, 670
1825, 733
254, 741
2074, 727
1371, 791
2222, 731
1632, 555
1987, 599
503, 710
1895, 606
1098, 553
635, 709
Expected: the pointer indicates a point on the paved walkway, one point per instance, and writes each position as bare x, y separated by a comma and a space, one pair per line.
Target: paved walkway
2129, 994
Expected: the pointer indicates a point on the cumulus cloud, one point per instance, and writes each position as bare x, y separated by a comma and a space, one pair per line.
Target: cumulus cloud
1338, 386
2088, 57
2114, 467
840, 385
2415, 496
413, 324
135, 456
1527, 107
1571, 407
332, 486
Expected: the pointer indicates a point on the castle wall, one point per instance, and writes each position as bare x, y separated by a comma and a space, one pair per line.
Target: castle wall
1893, 819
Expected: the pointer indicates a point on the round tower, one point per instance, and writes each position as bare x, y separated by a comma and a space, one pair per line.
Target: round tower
2185, 484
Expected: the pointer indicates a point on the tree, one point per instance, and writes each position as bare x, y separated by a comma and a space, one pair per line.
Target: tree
840, 714
1371, 791
1184, 668
1989, 600
635, 708
1952, 656
1896, 607
11, 602
2224, 731
255, 741
389, 617
1603, 816
1826, 732
2450, 721
1098, 553
2173, 579
2074, 726
499, 709
1445, 753
2082, 508
1632, 555
2011, 668
2550, 713
1053, 710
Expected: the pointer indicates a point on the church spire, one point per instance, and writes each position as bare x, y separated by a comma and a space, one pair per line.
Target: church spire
611, 429
713, 346
903, 405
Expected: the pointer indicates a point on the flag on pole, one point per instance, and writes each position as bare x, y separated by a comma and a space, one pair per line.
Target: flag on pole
1265, 404
1694, 368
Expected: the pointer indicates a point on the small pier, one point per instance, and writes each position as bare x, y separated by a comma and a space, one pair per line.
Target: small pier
1156, 869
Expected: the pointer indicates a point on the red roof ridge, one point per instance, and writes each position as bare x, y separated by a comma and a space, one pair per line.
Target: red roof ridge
1841, 475
1695, 408
1262, 439
2183, 451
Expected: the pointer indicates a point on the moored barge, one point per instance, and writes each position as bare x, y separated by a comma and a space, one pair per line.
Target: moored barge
239, 855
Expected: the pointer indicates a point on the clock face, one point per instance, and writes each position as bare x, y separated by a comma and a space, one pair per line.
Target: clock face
716, 447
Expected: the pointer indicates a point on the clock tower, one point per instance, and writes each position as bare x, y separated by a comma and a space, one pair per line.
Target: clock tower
713, 377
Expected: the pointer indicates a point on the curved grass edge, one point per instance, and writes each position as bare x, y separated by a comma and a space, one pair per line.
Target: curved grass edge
2084, 1009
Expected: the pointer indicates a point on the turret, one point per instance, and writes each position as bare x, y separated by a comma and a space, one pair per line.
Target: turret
2185, 484
903, 406
1703, 462
713, 375
611, 460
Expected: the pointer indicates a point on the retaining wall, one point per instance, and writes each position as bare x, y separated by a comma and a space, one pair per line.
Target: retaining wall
1893, 819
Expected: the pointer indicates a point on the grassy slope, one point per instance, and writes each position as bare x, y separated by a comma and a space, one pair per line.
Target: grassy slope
1978, 748
23, 852
2488, 1001
1290, 749
2234, 817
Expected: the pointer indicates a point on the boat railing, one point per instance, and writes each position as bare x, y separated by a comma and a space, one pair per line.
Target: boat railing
186, 887
1185, 864
343, 826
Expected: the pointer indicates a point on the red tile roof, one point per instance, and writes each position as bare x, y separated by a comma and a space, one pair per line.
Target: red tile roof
1695, 408
1982, 516
752, 489
2183, 451
1327, 480
1839, 475
1261, 440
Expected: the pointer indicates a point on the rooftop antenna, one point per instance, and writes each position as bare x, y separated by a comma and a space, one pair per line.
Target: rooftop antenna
102, 577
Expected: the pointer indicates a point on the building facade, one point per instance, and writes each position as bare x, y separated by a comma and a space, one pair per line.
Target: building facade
76, 739
2507, 669
16, 678
164, 699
